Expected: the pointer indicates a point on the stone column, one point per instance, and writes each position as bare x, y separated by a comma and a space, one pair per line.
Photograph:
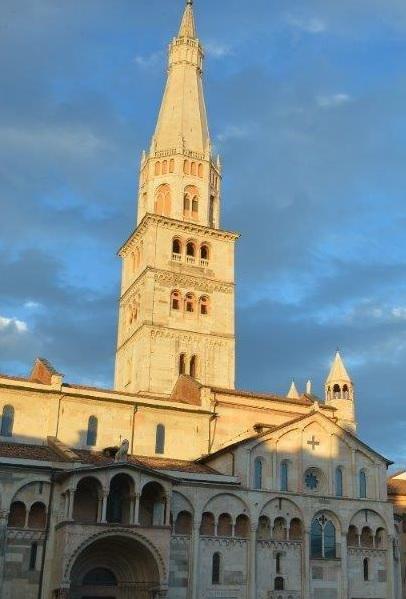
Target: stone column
167, 510
354, 486
72, 491
136, 513
104, 506
194, 561
252, 564
344, 566
306, 570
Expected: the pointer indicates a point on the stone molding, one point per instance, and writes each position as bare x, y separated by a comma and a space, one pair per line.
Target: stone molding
224, 541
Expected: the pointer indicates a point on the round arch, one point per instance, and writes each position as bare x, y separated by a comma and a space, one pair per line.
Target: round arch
233, 504
131, 558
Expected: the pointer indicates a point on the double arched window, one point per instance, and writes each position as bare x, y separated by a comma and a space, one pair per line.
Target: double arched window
323, 538
362, 484
193, 365
190, 250
191, 202
258, 473
7, 421
190, 303
284, 476
160, 439
92, 426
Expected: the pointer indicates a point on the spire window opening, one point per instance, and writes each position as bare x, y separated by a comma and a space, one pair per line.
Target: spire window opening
337, 392
346, 392
211, 211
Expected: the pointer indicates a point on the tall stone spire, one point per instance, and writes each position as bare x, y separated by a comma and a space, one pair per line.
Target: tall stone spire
187, 26
339, 393
182, 122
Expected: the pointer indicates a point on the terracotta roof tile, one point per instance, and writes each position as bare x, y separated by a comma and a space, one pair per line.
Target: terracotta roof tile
98, 459
29, 452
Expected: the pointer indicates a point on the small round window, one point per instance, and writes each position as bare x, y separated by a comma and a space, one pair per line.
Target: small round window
313, 480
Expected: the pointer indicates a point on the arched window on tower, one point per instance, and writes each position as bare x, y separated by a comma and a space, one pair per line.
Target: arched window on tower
195, 206
7, 421
200, 170
177, 247
212, 211
182, 364
193, 366
336, 392
186, 167
157, 168
339, 482
204, 305
278, 562
171, 165
164, 167
190, 303
175, 300
258, 470
160, 439
92, 426
193, 168
190, 252
362, 484
346, 392
279, 584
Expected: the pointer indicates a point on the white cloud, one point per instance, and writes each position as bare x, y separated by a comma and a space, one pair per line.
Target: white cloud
145, 62
32, 305
8, 323
234, 132
217, 49
333, 100
399, 312
312, 25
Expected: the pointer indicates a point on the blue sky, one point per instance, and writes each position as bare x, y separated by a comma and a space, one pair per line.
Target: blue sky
306, 102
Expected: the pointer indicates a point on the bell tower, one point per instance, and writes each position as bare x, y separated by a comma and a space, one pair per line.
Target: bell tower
176, 311
339, 390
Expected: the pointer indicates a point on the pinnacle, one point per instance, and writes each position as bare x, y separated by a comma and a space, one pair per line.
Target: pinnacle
338, 371
293, 393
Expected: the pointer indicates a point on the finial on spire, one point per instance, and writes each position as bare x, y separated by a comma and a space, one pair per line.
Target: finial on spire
189, 3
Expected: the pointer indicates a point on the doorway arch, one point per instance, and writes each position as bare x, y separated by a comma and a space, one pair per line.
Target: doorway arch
115, 566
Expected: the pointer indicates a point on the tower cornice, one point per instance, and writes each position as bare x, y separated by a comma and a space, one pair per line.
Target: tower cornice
178, 226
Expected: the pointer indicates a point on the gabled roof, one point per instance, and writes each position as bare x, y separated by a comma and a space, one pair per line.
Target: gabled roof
263, 434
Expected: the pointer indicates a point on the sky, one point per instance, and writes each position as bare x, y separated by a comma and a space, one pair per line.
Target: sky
307, 108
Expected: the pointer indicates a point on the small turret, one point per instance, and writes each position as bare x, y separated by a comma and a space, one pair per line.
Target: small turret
339, 392
293, 393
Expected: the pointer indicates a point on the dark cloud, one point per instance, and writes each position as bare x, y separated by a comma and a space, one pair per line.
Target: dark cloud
306, 104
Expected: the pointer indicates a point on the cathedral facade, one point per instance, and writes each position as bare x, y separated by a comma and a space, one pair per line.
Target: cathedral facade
175, 484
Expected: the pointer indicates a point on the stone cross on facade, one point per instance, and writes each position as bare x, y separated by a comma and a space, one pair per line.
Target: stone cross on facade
313, 443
